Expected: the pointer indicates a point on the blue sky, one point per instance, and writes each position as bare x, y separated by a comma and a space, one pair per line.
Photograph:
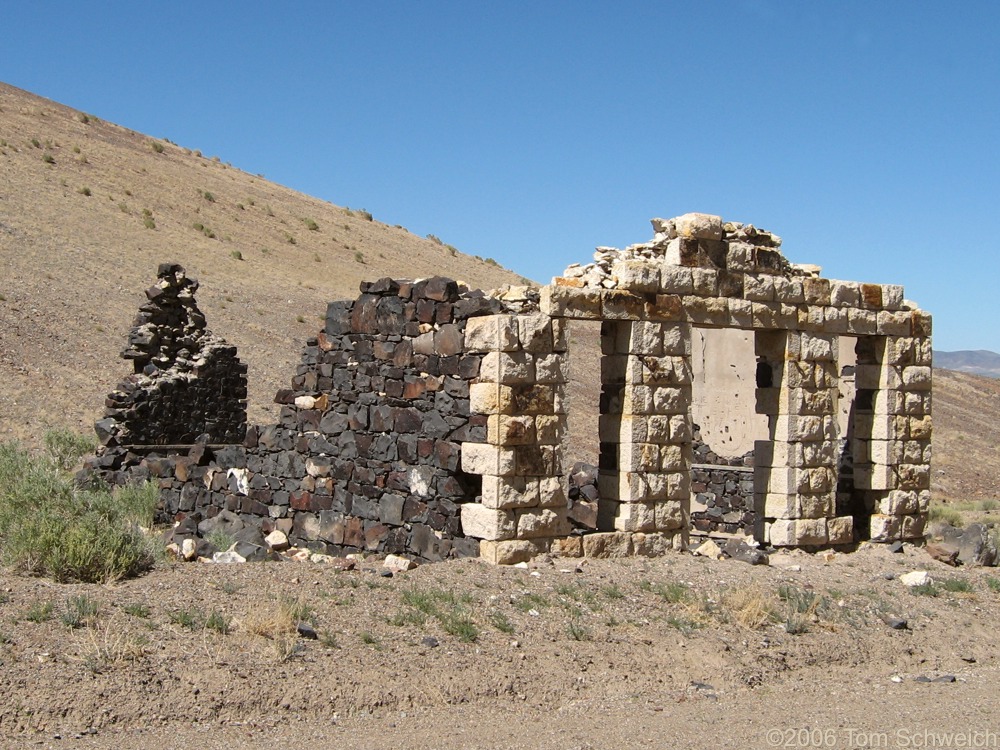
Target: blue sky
865, 133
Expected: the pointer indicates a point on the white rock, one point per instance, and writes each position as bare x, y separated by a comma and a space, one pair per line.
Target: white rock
398, 564
229, 556
915, 578
242, 480
277, 540
710, 549
189, 549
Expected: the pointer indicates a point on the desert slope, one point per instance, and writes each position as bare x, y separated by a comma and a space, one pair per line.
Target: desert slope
87, 211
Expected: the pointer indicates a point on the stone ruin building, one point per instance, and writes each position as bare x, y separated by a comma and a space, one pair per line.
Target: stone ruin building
430, 420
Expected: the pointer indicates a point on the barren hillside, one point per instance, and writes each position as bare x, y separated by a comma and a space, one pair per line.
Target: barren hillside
87, 211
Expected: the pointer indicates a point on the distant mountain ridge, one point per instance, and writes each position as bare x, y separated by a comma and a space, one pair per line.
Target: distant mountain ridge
977, 362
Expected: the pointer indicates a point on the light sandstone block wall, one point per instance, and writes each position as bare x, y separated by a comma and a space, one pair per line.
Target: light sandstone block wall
701, 272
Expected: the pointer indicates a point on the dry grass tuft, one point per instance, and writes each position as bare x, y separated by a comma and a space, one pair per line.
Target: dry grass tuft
751, 607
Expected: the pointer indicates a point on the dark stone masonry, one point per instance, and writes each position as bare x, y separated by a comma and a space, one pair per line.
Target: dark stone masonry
365, 454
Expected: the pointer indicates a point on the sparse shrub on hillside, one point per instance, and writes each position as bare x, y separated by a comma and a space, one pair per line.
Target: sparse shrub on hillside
84, 191
76, 149
85, 119
366, 215
289, 239
452, 250
123, 207
241, 207
147, 219
48, 158
208, 196
237, 255
317, 258
435, 239
491, 262
359, 257
207, 231
156, 146
311, 225
36, 143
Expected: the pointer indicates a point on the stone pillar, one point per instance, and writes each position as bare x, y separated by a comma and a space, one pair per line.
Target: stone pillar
646, 427
521, 388
893, 423
796, 471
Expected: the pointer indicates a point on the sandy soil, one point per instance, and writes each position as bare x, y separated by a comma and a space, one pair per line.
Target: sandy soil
568, 654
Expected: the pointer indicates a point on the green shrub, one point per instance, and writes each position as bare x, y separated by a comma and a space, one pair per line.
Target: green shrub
39, 612
366, 215
208, 196
156, 146
946, 514
48, 158
237, 255
84, 191
66, 447
359, 257
50, 527
957, 585
311, 225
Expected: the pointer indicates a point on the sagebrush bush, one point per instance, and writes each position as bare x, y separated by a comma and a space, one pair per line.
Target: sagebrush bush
50, 527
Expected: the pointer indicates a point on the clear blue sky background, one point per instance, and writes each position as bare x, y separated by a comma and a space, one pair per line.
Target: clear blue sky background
865, 133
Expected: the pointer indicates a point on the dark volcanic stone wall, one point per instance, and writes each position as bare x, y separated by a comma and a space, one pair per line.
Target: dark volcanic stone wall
186, 383
722, 490
366, 452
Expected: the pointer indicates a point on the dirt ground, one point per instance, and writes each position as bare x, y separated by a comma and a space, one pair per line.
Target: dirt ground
679, 651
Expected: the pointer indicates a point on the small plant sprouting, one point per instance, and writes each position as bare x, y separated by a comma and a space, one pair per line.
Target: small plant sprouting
186, 618
80, 611
500, 621
956, 586
137, 610
39, 612
218, 622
